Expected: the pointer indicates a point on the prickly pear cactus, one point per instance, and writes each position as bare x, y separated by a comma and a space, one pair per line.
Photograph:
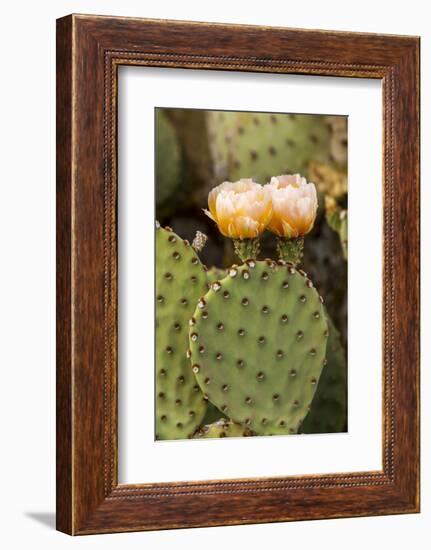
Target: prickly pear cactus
328, 412
198, 169
212, 414
222, 428
258, 344
215, 274
260, 145
330, 181
168, 174
338, 141
180, 280
337, 220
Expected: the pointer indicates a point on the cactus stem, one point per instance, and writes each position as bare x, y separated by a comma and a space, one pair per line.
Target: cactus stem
246, 249
290, 250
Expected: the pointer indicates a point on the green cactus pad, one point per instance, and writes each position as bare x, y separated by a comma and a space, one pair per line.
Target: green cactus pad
338, 142
328, 412
258, 344
337, 220
222, 428
168, 158
180, 280
215, 274
261, 145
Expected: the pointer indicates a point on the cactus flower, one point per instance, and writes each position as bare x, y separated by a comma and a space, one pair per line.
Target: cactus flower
241, 209
294, 203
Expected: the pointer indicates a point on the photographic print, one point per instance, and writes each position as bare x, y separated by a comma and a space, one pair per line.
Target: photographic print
210, 205
251, 273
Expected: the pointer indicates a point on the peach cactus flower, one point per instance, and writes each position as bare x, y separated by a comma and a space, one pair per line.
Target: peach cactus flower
241, 209
294, 203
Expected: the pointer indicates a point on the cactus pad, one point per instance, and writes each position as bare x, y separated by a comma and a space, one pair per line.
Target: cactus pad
337, 220
328, 412
328, 180
222, 428
260, 145
258, 344
215, 274
180, 280
168, 174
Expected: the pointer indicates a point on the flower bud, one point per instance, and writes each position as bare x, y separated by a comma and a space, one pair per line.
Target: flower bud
294, 205
241, 209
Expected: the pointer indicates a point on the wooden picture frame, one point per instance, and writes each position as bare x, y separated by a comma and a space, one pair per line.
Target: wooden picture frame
89, 51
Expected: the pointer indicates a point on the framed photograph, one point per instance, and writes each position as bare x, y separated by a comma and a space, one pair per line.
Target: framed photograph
237, 274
